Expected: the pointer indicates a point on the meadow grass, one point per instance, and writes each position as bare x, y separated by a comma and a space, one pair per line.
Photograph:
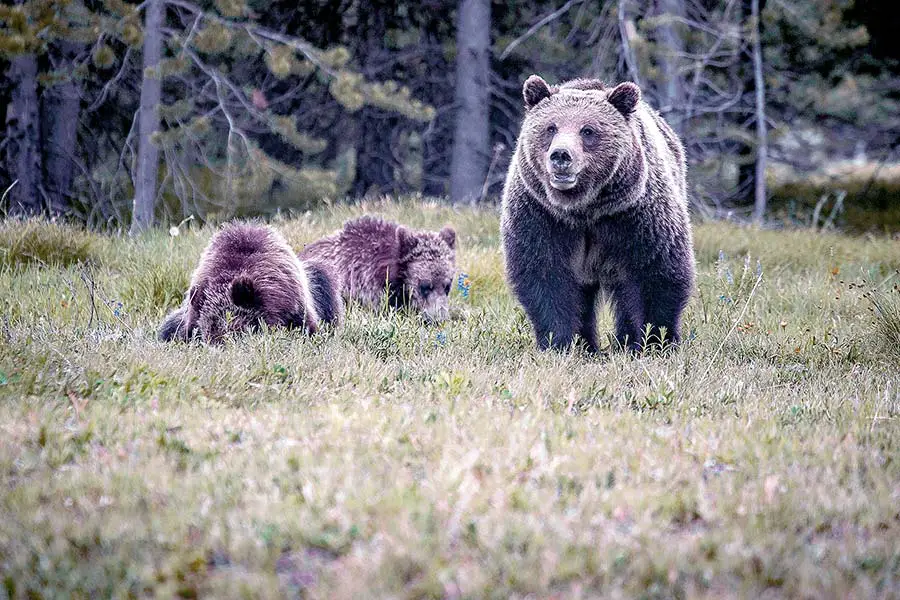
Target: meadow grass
394, 459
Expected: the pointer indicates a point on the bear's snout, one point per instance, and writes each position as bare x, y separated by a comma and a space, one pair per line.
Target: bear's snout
560, 159
563, 165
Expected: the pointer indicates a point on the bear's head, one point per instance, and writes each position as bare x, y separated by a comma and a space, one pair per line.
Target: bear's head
427, 266
575, 138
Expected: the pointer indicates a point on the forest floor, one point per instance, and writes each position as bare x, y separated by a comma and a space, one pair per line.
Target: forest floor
394, 459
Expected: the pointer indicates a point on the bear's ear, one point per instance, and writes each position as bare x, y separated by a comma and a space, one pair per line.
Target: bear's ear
448, 234
625, 97
406, 239
243, 292
535, 90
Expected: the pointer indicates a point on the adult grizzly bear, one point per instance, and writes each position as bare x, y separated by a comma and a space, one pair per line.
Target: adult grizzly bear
249, 275
595, 202
370, 256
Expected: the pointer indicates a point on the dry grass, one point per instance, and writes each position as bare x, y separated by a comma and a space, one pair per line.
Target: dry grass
390, 459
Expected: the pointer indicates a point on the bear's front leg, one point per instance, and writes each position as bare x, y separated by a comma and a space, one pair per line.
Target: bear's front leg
538, 256
628, 307
665, 302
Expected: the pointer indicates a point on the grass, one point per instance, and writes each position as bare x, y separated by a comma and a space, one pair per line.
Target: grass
391, 459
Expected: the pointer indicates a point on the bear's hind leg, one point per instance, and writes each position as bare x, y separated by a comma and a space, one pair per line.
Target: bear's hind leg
174, 328
326, 292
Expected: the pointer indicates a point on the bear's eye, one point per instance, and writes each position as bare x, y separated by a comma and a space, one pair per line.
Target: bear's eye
551, 129
425, 289
588, 133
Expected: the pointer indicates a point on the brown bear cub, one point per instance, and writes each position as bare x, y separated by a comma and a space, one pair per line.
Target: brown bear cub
249, 275
595, 202
371, 256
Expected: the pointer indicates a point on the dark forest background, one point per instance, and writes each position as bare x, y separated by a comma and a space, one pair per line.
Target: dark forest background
124, 115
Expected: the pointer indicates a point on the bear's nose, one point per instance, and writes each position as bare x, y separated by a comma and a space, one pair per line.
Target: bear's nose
560, 158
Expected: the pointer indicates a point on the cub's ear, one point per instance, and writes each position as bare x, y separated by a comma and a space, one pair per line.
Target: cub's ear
448, 234
244, 293
535, 90
406, 239
625, 97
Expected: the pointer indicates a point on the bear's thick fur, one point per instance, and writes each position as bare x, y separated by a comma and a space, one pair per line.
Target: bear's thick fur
250, 275
370, 256
595, 202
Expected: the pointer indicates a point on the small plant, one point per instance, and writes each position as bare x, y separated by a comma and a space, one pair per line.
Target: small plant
885, 307
463, 284
734, 289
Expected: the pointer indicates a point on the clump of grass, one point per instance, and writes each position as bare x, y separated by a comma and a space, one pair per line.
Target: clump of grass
34, 241
885, 306
155, 286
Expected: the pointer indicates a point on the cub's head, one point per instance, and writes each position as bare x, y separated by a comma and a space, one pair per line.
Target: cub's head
427, 266
575, 136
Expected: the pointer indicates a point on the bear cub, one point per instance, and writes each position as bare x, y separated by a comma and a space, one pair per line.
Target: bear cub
595, 204
249, 275
371, 256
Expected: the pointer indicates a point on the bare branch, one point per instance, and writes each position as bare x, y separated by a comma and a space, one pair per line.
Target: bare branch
537, 26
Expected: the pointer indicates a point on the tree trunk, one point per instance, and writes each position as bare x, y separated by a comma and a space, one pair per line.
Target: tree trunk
671, 48
60, 111
632, 69
759, 191
471, 140
24, 131
374, 152
151, 91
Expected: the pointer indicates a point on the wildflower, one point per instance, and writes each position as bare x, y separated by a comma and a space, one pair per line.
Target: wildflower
758, 269
441, 337
174, 231
117, 307
463, 284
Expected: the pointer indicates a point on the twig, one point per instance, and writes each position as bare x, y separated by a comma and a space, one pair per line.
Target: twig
87, 276
838, 206
817, 211
3, 197
534, 28
498, 148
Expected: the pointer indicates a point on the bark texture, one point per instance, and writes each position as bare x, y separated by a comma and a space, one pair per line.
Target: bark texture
762, 147
60, 110
151, 90
24, 131
471, 142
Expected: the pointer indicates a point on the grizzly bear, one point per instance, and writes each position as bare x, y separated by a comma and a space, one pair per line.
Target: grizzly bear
595, 203
372, 256
249, 275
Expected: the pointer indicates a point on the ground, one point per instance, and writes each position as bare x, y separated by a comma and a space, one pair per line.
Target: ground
393, 459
